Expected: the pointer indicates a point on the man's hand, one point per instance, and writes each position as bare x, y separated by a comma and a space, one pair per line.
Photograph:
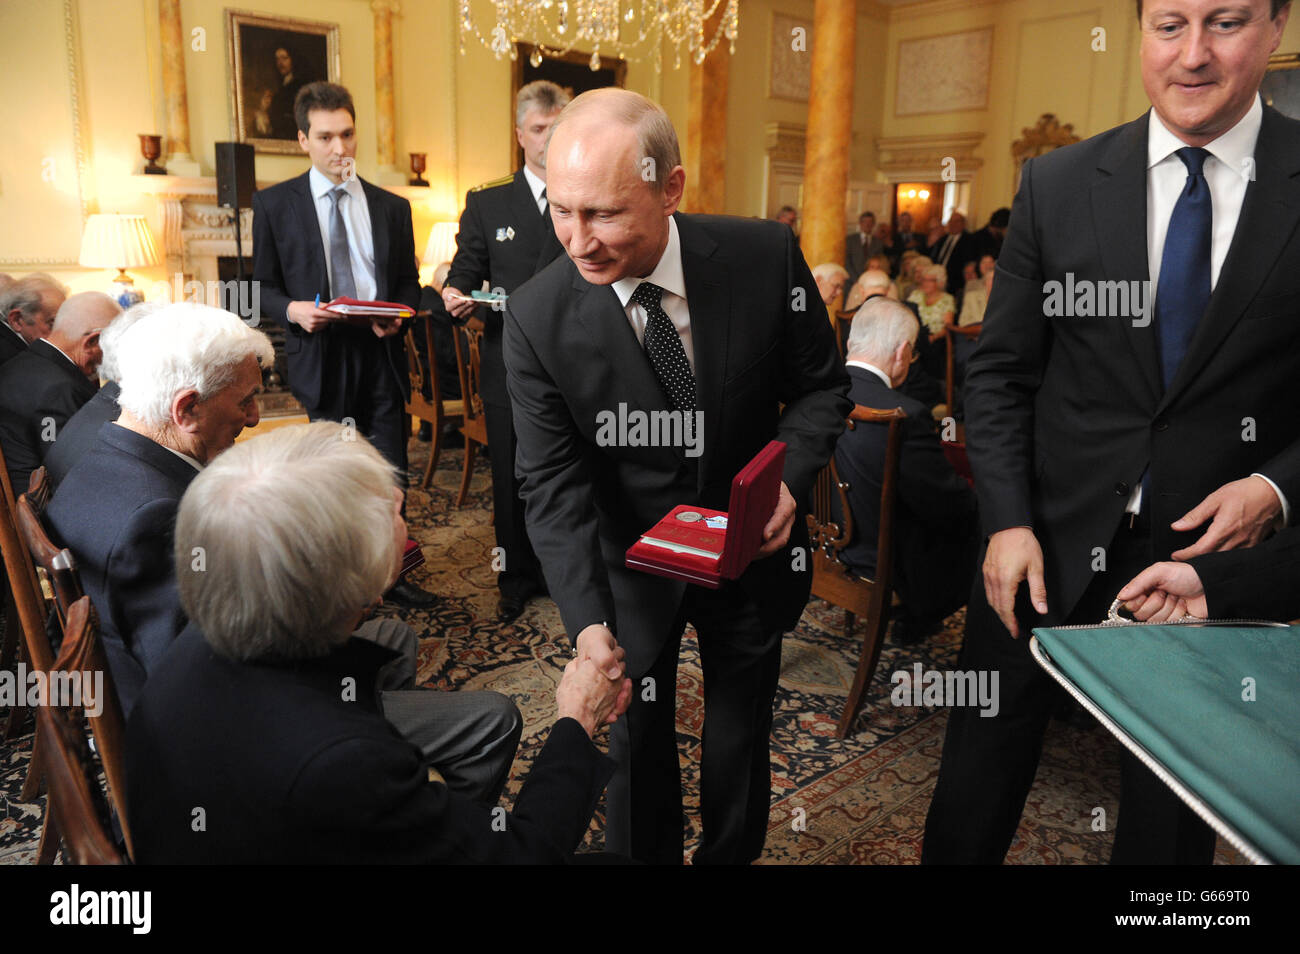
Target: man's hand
307, 316
588, 695
456, 301
1013, 555
777, 532
598, 644
1165, 591
1244, 511
385, 327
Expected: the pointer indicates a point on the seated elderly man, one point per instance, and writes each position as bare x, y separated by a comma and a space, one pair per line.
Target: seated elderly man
82, 430
46, 384
935, 528
27, 309
189, 377
831, 279
264, 712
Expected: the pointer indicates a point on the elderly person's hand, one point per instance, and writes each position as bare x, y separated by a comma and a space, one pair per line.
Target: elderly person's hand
585, 693
1165, 591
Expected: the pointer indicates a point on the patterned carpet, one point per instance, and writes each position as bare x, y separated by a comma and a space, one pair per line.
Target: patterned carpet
858, 801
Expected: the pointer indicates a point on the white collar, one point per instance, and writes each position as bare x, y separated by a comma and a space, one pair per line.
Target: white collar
668, 274
535, 183
1233, 148
321, 185
852, 363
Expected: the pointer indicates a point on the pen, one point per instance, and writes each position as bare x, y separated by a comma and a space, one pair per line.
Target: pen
318, 299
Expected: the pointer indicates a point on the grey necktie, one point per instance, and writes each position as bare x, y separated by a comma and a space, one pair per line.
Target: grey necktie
342, 284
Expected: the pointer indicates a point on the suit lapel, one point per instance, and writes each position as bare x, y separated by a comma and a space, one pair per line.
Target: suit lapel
1119, 202
606, 324
1268, 218
708, 296
309, 227
379, 235
523, 212
83, 387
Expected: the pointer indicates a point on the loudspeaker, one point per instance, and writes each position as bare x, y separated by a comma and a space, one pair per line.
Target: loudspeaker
235, 182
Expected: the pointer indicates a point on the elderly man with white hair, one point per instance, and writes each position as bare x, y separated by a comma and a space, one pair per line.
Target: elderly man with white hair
831, 279
189, 375
303, 531
46, 384
936, 528
27, 309
81, 431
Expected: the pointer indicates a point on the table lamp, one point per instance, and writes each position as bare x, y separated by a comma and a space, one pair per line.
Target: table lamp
121, 242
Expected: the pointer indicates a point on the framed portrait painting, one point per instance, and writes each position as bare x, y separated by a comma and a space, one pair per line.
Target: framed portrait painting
271, 58
1281, 86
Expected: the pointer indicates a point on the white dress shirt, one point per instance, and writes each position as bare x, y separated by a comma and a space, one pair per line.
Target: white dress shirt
537, 186
1228, 170
356, 219
669, 276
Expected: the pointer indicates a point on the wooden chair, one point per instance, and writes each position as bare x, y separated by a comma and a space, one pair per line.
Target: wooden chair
967, 331
435, 410
26, 640
832, 581
75, 810
81, 650
468, 339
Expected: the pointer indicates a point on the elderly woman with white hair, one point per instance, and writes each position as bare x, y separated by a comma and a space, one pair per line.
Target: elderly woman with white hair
938, 308
265, 712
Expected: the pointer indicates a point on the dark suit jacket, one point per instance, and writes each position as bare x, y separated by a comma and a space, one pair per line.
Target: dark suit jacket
966, 250
81, 433
571, 354
1261, 582
483, 251
289, 262
11, 343
291, 773
39, 390
856, 254
935, 522
1065, 414
116, 511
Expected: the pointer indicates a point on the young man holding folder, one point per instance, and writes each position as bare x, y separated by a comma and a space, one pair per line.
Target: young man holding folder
328, 234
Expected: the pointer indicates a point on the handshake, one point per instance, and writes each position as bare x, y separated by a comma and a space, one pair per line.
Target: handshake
595, 689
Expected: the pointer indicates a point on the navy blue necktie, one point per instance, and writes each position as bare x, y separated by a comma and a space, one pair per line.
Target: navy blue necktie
1184, 289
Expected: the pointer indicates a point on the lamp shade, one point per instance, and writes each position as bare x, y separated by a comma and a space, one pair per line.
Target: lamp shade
118, 241
442, 244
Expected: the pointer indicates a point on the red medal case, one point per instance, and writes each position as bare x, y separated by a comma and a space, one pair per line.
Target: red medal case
697, 553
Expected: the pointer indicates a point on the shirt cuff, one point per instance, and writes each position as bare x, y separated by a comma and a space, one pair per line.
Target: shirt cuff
1286, 507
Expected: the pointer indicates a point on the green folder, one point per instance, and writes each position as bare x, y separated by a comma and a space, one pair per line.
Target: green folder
1214, 710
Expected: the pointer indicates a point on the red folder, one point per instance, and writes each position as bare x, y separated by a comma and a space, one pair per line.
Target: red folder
356, 311
705, 546
412, 556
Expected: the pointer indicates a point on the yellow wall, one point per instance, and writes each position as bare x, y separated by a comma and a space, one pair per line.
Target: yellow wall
456, 108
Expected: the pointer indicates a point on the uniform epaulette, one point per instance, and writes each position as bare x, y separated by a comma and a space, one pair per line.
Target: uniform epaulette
494, 183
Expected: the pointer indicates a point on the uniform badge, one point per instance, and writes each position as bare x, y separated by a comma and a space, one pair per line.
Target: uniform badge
505, 234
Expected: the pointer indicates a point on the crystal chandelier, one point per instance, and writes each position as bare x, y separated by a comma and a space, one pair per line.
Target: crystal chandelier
630, 29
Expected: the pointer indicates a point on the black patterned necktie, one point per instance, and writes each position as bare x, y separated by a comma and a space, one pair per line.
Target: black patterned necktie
342, 284
664, 347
